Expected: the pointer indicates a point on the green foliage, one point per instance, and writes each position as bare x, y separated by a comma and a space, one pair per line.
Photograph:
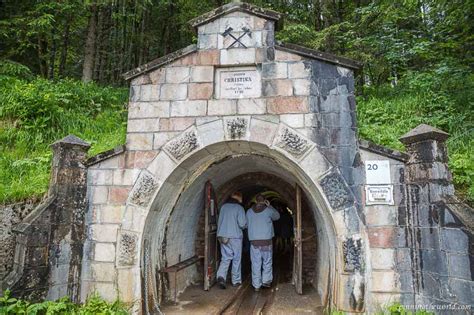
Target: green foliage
14, 69
35, 113
441, 97
94, 305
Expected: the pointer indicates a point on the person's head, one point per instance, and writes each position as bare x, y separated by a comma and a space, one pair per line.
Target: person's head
237, 196
260, 198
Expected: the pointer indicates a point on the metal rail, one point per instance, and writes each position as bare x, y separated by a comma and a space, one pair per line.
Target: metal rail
246, 301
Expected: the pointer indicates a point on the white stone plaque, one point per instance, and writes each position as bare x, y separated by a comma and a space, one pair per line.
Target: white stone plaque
238, 83
379, 195
377, 172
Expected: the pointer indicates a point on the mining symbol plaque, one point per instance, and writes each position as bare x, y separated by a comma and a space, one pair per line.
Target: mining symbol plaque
239, 84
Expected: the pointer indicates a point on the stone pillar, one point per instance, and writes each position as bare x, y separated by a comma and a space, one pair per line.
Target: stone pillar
428, 162
69, 186
429, 185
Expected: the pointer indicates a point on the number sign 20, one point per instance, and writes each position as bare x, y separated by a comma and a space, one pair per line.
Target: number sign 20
372, 167
377, 172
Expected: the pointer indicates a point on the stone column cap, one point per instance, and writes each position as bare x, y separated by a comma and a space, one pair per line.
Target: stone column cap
423, 132
236, 6
71, 140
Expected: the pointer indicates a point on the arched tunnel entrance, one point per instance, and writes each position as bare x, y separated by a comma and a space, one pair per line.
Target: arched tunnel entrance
180, 211
282, 196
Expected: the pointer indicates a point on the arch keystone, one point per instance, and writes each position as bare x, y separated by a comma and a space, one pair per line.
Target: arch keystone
236, 127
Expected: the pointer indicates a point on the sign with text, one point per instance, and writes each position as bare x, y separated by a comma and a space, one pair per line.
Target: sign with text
239, 84
379, 195
377, 172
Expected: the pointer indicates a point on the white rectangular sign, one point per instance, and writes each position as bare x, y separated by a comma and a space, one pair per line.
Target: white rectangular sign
377, 172
379, 195
239, 84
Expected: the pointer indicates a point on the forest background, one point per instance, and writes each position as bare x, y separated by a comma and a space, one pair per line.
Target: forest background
61, 64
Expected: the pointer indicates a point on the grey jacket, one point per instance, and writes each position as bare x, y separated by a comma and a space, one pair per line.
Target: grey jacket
260, 225
231, 221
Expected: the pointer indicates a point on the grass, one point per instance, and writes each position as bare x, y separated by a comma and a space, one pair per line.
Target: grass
25, 171
35, 112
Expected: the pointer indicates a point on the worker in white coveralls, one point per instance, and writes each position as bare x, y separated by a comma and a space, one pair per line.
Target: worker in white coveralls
260, 230
231, 222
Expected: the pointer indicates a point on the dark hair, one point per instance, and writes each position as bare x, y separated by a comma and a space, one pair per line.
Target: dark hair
259, 198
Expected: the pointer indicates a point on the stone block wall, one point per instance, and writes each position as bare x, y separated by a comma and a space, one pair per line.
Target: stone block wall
10, 216
389, 243
29, 277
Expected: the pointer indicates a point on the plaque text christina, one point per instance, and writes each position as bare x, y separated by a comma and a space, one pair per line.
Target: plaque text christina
239, 84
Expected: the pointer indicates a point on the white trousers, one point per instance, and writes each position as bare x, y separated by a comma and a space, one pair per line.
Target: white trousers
232, 251
262, 269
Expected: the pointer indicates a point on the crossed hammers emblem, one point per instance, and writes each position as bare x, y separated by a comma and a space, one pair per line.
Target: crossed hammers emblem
237, 39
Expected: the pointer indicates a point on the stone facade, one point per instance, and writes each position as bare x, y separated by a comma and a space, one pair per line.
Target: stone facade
144, 200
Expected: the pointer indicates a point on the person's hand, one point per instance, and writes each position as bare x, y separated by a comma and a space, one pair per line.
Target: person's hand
267, 203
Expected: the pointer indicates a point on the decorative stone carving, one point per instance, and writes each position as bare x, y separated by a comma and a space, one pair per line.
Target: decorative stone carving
183, 145
236, 128
352, 250
127, 248
336, 191
292, 142
143, 190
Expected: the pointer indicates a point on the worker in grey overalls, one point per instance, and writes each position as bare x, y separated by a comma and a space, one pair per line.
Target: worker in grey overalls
231, 222
260, 230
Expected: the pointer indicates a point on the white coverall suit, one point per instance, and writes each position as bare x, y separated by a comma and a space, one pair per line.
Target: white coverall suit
231, 222
260, 228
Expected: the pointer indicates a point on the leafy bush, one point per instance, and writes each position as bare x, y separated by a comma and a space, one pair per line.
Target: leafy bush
94, 305
14, 69
36, 112
442, 98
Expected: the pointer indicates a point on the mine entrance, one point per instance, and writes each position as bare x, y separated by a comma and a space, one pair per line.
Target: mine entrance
291, 237
300, 262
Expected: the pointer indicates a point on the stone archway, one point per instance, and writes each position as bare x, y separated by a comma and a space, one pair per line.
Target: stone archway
142, 250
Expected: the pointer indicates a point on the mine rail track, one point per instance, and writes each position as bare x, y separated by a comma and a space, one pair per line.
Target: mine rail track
246, 301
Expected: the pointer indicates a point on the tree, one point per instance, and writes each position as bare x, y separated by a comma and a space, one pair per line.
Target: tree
89, 50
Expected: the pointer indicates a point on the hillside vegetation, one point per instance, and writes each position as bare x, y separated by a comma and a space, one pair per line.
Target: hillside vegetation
35, 112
